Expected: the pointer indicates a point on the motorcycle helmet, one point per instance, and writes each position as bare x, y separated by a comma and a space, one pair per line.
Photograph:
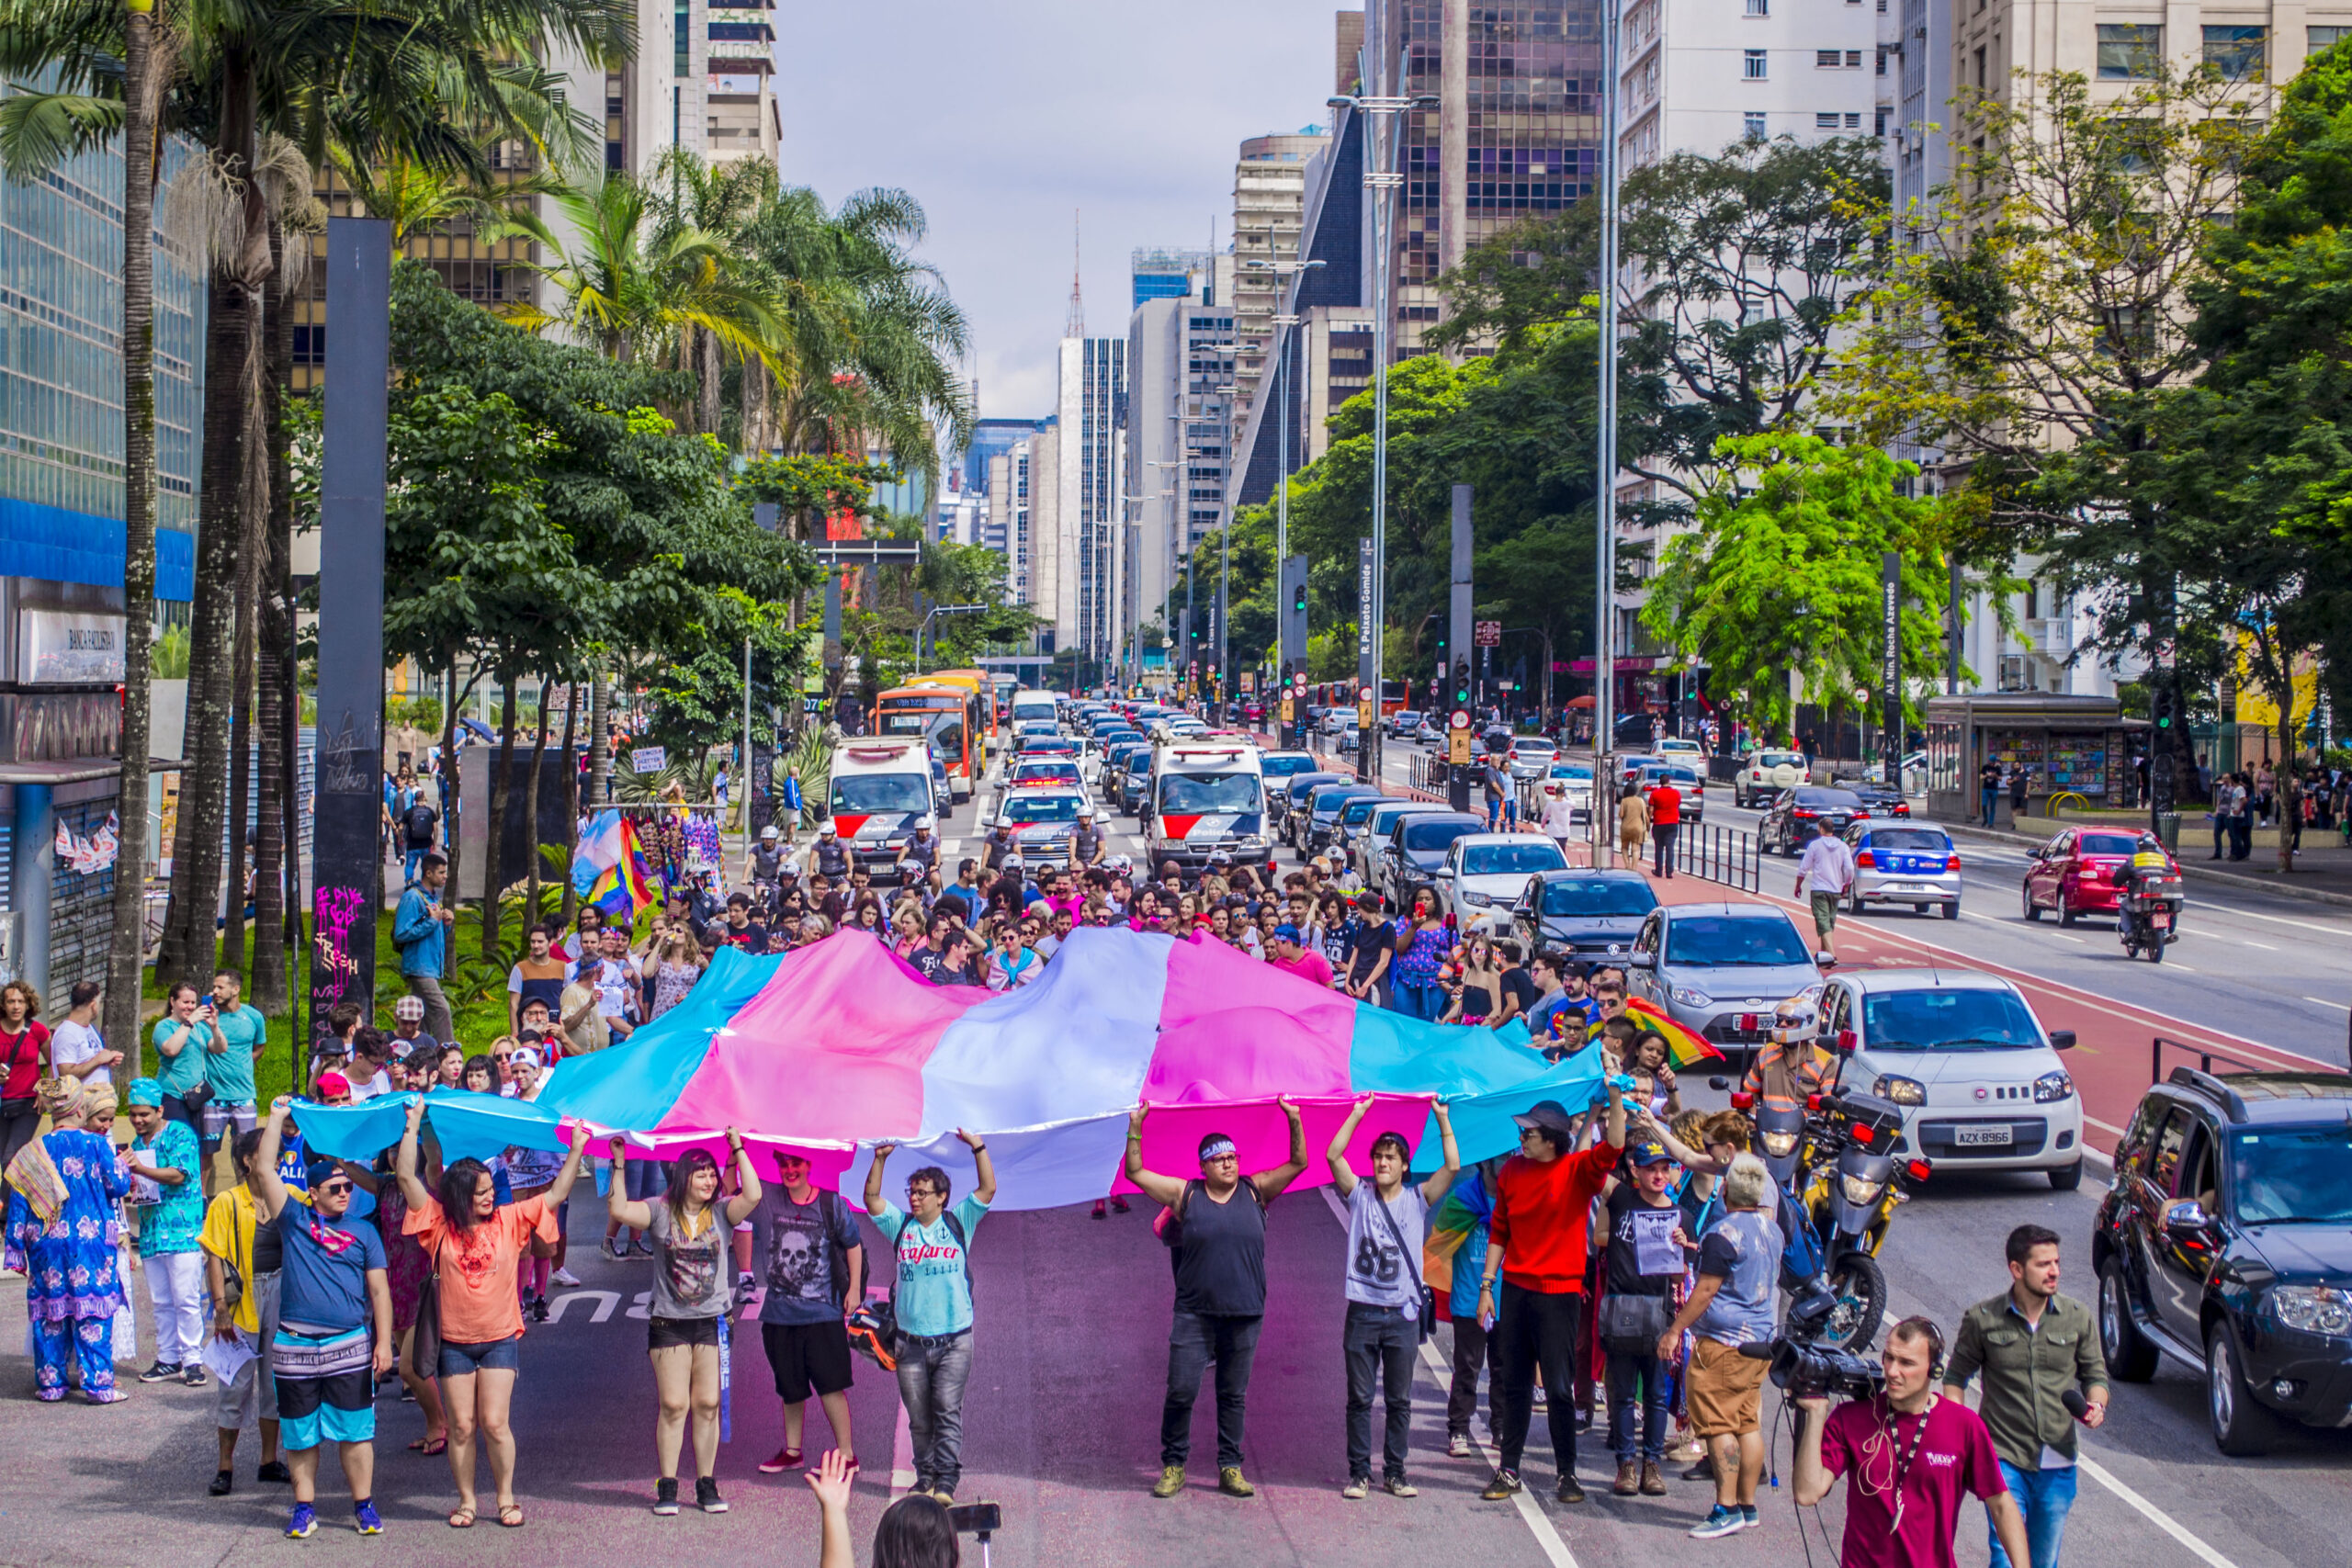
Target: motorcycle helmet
1796, 1020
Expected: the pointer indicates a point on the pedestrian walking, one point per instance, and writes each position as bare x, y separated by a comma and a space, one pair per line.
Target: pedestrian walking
1633, 823
1731, 1306
421, 931
240, 1035
1217, 1226
477, 1249
932, 1297
334, 1332
816, 1278
1824, 872
1387, 1221
61, 1231
1666, 824
167, 1201
2034, 1347
242, 1263
1538, 1245
692, 1295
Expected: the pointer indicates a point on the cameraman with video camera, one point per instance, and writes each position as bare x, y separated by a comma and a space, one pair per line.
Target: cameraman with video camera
1911, 1453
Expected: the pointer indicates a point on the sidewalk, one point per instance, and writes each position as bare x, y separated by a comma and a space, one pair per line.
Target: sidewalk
2322, 872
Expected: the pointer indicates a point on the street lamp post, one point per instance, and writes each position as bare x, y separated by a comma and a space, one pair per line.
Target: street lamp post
1385, 182
1604, 649
942, 610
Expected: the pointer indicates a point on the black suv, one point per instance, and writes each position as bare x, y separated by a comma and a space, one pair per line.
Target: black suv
2226, 1244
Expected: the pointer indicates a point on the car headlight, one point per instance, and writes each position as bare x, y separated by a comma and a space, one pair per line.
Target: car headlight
1861, 1190
2051, 1088
2315, 1309
1252, 843
1902, 1090
1480, 900
1779, 1145
1689, 998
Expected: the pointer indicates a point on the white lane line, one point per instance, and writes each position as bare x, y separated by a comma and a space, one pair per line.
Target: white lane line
1531, 1512
2155, 1516
2322, 1001
2062, 936
2278, 921
2266, 947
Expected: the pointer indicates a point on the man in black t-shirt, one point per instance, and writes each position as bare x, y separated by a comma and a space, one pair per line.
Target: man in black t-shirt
1368, 963
1644, 1258
740, 929
1519, 991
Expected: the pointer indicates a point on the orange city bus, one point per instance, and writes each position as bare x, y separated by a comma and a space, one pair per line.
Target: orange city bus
949, 718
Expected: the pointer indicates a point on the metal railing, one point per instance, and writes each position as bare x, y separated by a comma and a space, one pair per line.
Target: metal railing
1729, 855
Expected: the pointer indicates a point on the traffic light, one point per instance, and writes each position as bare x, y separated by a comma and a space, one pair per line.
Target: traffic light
2160, 708
1462, 683
1298, 598
1440, 647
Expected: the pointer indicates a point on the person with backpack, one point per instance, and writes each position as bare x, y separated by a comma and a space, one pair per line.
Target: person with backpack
1216, 1228
932, 1300
419, 825
1387, 1302
816, 1275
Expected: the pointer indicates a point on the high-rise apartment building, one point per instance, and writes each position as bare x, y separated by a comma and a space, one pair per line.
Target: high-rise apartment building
1269, 210
1807, 69
1007, 526
1178, 414
1088, 515
741, 115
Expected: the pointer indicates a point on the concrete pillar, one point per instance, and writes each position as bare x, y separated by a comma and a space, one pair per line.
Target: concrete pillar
32, 861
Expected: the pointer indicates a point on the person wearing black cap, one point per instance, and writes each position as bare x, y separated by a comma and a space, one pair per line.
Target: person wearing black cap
1645, 1261
1217, 1226
1537, 1243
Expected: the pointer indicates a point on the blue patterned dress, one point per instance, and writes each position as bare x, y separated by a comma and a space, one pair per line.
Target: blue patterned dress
72, 1290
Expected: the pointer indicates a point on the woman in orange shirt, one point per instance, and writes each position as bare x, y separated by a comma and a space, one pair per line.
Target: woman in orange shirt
475, 1248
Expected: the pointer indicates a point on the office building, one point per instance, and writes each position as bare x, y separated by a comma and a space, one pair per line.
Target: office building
991, 438
1180, 427
1806, 69
1158, 273
1006, 527
1269, 210
1085, 541
62, 615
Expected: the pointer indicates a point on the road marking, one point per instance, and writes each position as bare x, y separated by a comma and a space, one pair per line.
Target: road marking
2062, 936
2264, 945
2326, 1003
2281, 920
2155, 1516
1531, 1512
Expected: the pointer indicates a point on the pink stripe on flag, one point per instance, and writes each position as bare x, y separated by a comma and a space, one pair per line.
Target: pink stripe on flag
832, 1047
1232, 1028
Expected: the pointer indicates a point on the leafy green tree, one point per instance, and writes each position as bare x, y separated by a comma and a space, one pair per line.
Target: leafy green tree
1780, 581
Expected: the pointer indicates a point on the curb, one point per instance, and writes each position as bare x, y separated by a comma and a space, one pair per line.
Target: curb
2189, 867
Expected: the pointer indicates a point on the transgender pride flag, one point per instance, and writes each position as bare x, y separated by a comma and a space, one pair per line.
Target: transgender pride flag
839, 1046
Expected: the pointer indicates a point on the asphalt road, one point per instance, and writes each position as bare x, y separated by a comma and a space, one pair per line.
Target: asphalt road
1062, 1414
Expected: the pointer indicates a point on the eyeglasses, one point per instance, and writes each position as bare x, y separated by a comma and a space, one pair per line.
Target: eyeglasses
914, 1191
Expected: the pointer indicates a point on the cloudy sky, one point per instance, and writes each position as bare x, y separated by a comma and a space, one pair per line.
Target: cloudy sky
1003, 116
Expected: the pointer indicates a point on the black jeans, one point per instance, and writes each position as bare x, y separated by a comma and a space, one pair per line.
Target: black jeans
1662, 837
1473, 1346
1636, 1381
1194, 1340
1380, 1343
1537, 1328
20, 1122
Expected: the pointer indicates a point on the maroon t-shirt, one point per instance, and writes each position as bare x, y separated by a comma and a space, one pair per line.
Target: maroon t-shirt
1866, 1443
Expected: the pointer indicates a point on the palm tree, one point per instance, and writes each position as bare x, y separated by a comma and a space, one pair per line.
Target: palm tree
693, 193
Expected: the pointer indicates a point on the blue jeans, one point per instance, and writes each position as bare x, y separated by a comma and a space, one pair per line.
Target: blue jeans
1988, 800
2044, 1497
1637, 1383
1423, 1002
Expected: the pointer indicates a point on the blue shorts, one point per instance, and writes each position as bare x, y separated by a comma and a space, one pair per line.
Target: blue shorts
459, 1360
326, 1388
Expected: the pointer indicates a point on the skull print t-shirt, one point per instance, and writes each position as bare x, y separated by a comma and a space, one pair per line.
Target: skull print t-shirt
690, 1273
809, 1244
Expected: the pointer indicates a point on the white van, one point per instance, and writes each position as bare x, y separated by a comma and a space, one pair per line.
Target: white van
1205, 796
880, 789
1032, 708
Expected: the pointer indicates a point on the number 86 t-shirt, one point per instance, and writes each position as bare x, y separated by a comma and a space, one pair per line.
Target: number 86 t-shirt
1377, 1274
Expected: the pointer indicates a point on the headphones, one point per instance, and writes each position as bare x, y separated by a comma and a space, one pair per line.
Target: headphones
1926, 1327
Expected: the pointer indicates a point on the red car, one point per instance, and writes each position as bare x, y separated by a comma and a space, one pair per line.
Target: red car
2074, 872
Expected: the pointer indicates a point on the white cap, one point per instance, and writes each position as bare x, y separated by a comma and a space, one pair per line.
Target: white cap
829, 831
922, 824
769, 831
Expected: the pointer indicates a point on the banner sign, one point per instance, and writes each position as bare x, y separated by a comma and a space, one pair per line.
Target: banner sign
68, 645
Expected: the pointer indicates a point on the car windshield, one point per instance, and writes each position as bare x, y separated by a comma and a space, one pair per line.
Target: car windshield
1534, 748
2107, 845
1925, 839
871, 793
2295, 1175
1284, 767
1675, 776
1201, 793
1409, 716
1357, 810
1502, 860
1023, 772
1041, 807
1306, 785
1948, 1021
1598, 896
1572, 771
1327, 802
1438, 835
1734, 941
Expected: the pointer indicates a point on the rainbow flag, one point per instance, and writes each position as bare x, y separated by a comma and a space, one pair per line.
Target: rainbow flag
1684, 1049
622, 888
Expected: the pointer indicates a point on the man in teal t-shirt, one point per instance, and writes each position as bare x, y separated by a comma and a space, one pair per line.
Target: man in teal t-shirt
934, 1298
239, 1035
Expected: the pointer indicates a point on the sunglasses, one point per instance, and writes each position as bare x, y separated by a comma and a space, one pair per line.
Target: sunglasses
329, 1189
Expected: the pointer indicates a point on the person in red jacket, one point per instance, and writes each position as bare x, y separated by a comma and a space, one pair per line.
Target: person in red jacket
1537, 1242
1666, 824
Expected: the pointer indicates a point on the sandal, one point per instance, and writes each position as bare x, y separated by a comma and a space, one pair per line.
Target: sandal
511, 1515
463, 1519
430, 1446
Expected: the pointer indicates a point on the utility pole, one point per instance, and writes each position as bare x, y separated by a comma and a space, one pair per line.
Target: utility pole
1604, 640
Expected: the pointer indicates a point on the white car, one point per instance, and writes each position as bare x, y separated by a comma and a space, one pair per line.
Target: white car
1766, 773
1484, 873
1531, 756
1679, 750
1977, 1077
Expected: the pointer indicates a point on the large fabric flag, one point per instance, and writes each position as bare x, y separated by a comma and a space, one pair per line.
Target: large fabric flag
841, 1045
1685, 1049
608, 868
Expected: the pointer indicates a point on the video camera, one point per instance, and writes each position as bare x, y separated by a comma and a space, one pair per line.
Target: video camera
1805, 1368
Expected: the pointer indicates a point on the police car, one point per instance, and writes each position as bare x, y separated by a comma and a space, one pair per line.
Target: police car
1041, 817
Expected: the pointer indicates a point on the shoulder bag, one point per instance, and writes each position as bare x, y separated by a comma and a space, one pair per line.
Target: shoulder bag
1428, 1297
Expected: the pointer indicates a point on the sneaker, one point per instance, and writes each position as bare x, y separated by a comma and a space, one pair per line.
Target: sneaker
1358, 1486
609, 1251
1505, 1486
1629, 1480
275, 1471
1653, 1483
1458, 1446
781, 1461
1749, 1517
1540, 1400
1229, 1480
538, 1309
665, 1496
1703, 1471
1100, 1211
943, 1495
566, 1278
707, 1495
302, 1521
194, 1376
1170, 1482
1569, 1490
366, 1520
221, 1483
1398, 1486
159, 1371
1720, 1520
